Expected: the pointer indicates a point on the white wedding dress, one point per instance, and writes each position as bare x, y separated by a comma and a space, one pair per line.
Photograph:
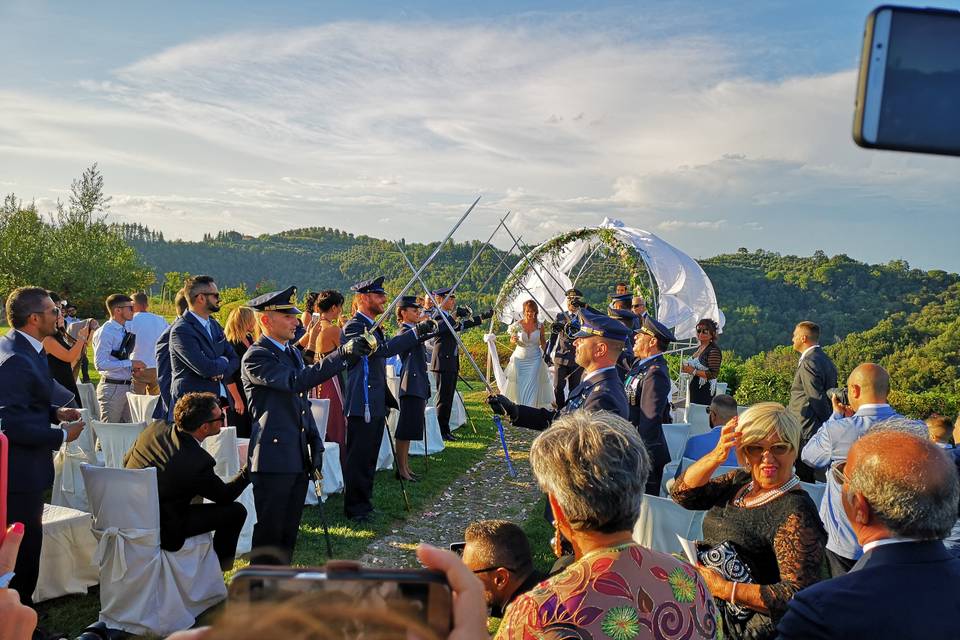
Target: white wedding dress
528, 379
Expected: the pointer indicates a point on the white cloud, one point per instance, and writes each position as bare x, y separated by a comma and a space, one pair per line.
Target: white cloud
351, 124
673, 225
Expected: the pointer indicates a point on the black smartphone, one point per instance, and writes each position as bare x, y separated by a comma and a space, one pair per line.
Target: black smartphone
420, 593
457, 547
908, 91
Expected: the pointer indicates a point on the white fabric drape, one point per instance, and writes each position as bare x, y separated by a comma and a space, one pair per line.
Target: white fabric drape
498, 374
684, 292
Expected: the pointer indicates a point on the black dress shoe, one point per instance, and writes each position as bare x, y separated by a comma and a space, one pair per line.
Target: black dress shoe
449, 437
363, 518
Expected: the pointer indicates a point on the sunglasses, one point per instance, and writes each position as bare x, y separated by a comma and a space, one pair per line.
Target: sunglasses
211, 293
492, 569
757, 450
837, 470
54, 312
703, 330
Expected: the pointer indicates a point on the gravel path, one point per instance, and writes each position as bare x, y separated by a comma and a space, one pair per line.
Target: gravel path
484, 491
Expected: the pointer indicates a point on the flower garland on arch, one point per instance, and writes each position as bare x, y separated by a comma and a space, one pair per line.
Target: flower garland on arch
628, 256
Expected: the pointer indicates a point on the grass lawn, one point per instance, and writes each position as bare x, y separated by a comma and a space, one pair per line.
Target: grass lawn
72, 613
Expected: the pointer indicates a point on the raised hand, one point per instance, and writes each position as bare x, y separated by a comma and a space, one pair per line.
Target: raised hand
729, 439
355, 348
425, 328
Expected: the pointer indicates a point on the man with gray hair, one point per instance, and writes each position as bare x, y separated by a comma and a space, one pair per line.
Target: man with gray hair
900, 493
866, 405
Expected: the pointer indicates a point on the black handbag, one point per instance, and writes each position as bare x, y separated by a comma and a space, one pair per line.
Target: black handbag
724, 558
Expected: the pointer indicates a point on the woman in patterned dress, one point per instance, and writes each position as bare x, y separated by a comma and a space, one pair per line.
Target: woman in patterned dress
593, 467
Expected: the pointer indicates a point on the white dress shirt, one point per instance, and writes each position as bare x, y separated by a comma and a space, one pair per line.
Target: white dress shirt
108, 338
147, 327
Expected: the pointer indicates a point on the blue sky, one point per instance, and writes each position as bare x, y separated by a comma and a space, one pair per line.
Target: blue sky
713, 125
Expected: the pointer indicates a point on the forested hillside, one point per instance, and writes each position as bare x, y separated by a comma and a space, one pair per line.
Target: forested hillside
762, 294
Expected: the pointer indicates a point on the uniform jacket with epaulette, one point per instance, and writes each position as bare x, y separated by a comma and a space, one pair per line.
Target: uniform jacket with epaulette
378, 395
601, 392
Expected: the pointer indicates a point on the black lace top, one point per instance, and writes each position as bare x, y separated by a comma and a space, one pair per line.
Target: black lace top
782, 542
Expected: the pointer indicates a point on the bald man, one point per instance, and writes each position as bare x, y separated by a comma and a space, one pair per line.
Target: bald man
867, 388
900, 491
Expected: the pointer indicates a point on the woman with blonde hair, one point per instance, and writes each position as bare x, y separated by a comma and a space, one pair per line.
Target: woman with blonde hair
241, 331
763, 539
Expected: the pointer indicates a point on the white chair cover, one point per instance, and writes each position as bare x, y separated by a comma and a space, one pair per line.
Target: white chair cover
68, 488
432, 436
385, 457
143, 589
676, 436
815, 490
224, 447
88, 399
697, 418
320, 408
141, 406
458, 413
721, 388
670, 471
332, 475
66, 561
741, 410
662, 520
116, 439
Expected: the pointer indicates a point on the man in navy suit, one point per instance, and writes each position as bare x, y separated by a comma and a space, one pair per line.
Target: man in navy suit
815, 374
285, 445
201, 359
598, 344
26, 413
900, 493
367, 397
164, 408
560, 348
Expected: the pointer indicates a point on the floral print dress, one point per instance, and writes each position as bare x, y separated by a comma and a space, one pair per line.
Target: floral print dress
623, 593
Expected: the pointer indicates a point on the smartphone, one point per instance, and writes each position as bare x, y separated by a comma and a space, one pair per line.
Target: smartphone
908, 91
419, 593
458, 547
3, 485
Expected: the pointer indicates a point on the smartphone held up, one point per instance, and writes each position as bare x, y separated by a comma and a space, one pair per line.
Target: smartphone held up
419, 595
908, 91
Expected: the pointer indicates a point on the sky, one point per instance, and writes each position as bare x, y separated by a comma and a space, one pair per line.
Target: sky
713, 125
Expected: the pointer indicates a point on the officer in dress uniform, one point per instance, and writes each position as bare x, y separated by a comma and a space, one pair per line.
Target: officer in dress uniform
445, 359
629, 319
285, 445
598, 344
568, 372
648, 392
367, 397
414, 387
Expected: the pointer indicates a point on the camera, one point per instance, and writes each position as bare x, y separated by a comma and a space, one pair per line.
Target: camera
126, 347
840, 393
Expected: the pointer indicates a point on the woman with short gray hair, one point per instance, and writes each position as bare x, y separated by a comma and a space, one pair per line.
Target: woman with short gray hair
593, 467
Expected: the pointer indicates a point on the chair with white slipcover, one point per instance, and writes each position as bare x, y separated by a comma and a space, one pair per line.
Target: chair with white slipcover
141, 406
145, 590
68, 489
116, 439
88, 399
662, 520
223, 447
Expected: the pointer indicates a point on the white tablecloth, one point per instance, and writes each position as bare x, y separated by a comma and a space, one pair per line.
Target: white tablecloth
66, 562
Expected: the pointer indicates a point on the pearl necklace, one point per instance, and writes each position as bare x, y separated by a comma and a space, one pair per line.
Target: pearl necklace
767, 496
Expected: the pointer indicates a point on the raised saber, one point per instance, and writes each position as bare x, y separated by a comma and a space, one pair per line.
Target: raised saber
473, 363
535, 272
416, 274
473, 260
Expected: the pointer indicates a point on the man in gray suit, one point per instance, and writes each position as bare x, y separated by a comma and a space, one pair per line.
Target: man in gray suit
808, 394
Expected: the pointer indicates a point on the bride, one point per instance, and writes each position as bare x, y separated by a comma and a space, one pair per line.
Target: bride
528, 381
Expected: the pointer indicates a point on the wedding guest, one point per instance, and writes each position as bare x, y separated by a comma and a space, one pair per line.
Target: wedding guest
708, 359
148, 327
593, 467
241, 331
329, 306
64, 352
760, 522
